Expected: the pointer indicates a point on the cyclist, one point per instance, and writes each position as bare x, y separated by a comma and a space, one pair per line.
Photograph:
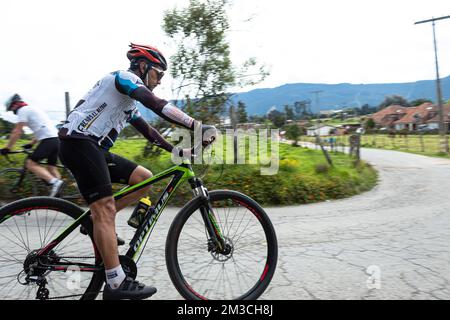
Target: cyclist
45, 133
90, 131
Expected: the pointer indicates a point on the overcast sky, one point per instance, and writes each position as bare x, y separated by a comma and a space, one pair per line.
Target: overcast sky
52, 46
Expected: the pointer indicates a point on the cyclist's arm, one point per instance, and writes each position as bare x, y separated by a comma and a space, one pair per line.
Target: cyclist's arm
151, 134
163, 108
16, 133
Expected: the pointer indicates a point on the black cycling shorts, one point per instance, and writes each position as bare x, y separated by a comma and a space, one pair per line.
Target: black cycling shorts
94, 168
47, 149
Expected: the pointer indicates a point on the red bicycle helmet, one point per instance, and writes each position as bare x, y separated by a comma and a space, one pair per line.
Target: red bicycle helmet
15, 100
146, 52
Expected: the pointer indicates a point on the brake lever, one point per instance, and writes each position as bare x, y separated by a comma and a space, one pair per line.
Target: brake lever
208, 143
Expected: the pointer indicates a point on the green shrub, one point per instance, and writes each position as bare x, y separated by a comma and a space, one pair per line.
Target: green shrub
303, 176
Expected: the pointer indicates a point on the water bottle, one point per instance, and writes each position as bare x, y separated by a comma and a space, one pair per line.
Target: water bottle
139, 212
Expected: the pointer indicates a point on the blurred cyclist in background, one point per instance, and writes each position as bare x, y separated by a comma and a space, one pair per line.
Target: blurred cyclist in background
45, 135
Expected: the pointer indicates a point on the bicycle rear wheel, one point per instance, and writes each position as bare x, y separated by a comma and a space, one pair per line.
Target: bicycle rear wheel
71, 270
242, 273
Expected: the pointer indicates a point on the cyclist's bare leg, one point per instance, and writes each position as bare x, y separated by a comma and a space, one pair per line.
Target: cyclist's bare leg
39, 170
103, 218
54, 171
139, 174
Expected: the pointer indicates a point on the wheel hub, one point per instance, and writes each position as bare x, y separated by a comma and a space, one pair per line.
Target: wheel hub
224, 254
33, 265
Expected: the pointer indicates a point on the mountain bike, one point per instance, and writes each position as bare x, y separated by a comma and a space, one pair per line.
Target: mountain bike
19, 183
221, 245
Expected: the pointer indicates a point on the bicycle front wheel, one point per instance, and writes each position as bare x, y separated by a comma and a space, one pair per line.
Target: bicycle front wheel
244, 271
71, 270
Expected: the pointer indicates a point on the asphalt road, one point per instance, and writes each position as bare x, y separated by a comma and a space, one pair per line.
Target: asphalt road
392, 242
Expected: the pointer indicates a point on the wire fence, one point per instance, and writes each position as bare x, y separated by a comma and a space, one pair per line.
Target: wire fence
423, 144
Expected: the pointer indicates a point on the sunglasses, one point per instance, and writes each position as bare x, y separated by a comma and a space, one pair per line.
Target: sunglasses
159, 73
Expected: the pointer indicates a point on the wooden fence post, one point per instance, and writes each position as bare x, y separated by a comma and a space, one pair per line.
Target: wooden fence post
422, 145
325, 152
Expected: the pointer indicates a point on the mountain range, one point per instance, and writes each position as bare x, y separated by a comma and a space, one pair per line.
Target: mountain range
338, 96
333, 96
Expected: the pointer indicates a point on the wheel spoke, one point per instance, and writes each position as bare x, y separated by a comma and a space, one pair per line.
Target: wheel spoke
31, 226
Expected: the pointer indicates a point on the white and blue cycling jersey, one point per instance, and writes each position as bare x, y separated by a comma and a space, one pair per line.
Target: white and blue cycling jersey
104, 111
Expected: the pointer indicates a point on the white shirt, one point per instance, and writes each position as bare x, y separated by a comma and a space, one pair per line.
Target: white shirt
38, 122
105, 110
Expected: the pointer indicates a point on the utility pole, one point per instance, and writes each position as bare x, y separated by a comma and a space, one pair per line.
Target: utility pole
67, 104
442, 124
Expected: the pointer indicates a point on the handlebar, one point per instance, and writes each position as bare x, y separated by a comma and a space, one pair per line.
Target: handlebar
26, 151
208, 136
199, 147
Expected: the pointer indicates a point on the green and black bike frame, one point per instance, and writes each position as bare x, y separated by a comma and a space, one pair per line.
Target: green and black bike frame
179, 175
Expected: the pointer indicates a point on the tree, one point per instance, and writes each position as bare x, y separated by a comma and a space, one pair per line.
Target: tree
242, 112
367, 109
393, 100
278, 118
289, 112
257, 119
369, 125
202, 66
293, 132
188, 106
233, 116
418, 102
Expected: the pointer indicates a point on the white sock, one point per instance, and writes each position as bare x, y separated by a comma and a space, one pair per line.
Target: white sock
53, 180
115, 277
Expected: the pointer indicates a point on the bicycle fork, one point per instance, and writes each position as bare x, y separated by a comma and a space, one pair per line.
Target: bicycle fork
217, 240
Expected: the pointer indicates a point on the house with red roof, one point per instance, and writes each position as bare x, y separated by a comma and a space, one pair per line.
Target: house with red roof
416, 116
386, 117
407, 118
433, 123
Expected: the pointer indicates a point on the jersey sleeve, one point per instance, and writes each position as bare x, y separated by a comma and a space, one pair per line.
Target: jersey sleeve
127, 82
163, 108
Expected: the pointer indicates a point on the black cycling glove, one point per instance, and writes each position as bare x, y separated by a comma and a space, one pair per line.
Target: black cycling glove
4, 151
